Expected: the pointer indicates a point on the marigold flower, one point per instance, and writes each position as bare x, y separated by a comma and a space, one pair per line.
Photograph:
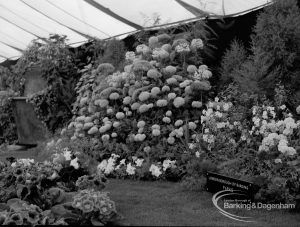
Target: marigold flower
114, 135
178, 102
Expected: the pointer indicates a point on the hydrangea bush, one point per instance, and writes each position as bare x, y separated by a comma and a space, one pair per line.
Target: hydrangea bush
155, 102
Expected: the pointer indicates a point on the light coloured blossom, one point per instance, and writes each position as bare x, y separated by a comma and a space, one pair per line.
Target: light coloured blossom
105, 138
171, 140
156, 132
171, 81
168, 164
127, 100
169, 113
120, 115
130, 56
141, 124
74, 163
196, 104
135, 106
171, 96
143, 108
197, 44
165, 88
178, 123
178, 102
161, 102
145, 95
155, 91
139, 162
167, 120
155, 170
130, 170
192, 126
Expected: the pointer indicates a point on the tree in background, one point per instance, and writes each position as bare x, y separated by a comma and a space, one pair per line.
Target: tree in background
274, 54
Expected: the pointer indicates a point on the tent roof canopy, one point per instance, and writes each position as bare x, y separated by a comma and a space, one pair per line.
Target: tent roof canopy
24, 20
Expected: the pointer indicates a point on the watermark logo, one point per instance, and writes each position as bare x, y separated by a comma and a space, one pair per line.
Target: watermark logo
238, 200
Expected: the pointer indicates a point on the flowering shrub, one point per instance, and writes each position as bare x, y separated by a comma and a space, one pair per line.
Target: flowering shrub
139, 168
47, 193
154, 102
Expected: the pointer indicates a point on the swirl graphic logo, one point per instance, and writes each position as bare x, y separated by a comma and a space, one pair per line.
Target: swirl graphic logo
226, 193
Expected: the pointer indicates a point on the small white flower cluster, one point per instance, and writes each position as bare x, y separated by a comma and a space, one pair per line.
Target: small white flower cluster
130, 56
109, 166
26, 162
202, 73
182, 48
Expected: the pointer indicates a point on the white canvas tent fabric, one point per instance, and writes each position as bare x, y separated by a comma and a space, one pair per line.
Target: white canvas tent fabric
21, 21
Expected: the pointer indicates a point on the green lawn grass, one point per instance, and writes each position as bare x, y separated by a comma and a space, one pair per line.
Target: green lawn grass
167, 204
